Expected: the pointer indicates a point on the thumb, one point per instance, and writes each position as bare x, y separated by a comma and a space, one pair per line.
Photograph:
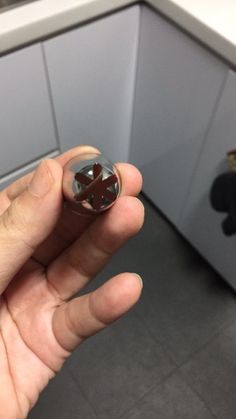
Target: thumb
29, 219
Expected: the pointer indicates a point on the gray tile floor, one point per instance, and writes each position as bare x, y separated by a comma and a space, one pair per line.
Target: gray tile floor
172, 357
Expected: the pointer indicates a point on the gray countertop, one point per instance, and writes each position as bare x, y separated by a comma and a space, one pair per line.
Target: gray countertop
211, 22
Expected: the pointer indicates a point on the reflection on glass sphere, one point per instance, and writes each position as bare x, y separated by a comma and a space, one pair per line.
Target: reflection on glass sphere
91, 183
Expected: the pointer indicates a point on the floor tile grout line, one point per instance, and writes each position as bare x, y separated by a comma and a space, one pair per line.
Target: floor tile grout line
229, 337
180, 365
81, 390
170, 354
178, 369
184, 378
202, 347
220, 331
162, 345
156, 385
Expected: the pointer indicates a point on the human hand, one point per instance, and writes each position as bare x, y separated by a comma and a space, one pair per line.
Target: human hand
48, 254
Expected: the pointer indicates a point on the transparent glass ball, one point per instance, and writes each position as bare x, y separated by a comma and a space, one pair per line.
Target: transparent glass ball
91, 183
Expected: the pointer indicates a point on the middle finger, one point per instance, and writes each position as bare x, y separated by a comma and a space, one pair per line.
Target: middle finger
74, 268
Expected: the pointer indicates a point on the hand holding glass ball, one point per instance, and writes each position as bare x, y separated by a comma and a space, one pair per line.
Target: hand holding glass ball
49, 255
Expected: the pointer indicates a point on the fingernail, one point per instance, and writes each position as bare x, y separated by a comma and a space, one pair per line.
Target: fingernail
140, 279
42, 180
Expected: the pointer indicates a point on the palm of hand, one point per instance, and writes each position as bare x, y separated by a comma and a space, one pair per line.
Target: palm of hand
29, 352
40, 323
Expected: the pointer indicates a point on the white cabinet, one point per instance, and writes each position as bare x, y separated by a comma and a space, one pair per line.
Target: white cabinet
200, 223
26, 124
138, 88
178, 83
18, 173
92, 72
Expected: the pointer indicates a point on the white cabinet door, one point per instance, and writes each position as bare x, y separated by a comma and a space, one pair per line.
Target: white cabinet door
92, 71
26, 124
200, 223
177, 87
18, 173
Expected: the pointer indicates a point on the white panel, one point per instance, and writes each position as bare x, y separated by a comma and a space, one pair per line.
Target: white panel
200, 223
177, 87
92, 71
26, 123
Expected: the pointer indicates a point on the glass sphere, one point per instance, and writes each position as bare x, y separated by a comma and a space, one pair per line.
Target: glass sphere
91, 183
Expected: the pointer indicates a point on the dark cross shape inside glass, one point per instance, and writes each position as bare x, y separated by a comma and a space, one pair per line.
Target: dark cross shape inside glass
96, 188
